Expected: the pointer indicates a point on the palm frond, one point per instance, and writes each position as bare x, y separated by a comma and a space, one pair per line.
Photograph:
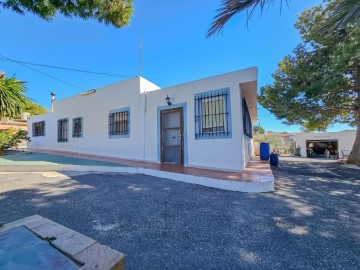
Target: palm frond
342, 13
229, 8
12, 97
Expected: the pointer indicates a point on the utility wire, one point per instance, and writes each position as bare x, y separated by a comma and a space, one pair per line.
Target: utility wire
4, 58
43, 73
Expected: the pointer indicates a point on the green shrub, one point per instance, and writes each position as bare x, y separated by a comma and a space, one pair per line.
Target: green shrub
12, 138
276, 142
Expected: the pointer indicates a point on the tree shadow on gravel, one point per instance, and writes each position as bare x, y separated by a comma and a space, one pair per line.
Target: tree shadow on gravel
164, 224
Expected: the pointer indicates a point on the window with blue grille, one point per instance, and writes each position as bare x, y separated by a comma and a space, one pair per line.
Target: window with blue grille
38, 129
248, 129
212, 114
77, 127
119, 123
63, 130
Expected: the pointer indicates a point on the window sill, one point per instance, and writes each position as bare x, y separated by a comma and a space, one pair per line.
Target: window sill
212, 137
119, 136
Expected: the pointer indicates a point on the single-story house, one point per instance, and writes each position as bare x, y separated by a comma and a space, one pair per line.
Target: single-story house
205, 123
325, 144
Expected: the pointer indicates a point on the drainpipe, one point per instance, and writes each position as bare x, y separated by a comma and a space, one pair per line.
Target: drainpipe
52, 101
145, 109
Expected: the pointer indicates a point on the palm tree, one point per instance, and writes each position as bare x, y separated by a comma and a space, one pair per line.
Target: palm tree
12, 97
343, 13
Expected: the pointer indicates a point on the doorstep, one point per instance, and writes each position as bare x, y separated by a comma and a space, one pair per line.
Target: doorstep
257, 176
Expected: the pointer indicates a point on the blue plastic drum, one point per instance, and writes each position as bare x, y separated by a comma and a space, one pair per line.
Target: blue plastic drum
274, 159
264, 151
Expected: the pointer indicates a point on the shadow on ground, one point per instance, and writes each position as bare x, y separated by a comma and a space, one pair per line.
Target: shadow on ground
311, 221
30, 158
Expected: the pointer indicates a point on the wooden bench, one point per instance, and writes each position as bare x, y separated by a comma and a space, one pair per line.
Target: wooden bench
86, 252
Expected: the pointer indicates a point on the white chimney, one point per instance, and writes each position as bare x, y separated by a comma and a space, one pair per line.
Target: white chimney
52, 100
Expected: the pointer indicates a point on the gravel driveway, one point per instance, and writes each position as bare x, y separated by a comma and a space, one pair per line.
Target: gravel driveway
311, 221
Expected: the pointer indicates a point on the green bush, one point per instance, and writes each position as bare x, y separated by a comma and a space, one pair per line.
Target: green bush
12, 138
276, 142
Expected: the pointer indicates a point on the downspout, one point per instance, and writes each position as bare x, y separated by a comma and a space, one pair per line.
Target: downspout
145, 109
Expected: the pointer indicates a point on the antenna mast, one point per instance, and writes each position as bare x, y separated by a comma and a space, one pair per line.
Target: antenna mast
140, 56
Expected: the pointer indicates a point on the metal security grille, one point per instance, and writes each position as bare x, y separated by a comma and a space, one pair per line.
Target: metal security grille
119, 123
77, 127
248, 130
211, 114
38, 129
63, 128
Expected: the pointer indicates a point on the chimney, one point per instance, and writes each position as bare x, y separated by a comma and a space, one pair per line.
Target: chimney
52, 101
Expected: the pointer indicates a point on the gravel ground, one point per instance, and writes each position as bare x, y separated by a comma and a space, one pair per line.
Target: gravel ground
311, 221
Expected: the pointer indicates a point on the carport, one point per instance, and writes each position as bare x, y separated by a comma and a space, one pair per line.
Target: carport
322, 148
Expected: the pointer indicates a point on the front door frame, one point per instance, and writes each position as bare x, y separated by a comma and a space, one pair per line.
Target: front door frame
162, 113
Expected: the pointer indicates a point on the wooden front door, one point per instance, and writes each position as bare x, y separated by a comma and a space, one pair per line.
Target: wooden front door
172, 143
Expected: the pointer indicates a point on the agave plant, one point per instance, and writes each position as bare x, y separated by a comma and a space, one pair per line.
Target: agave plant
12, 97
344, 12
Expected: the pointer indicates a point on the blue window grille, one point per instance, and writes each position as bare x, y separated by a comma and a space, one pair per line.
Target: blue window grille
119, 123
248, 129
38, 129
77, 127
63, 130
212, 114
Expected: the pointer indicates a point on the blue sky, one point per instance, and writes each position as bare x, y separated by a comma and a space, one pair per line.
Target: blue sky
174, 48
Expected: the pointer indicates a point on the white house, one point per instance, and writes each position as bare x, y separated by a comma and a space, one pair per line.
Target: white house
315, 144
205, 123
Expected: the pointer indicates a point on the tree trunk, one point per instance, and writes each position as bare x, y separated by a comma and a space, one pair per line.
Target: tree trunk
354, 157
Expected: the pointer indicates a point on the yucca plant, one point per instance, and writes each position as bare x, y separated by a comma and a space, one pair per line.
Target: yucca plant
12, 97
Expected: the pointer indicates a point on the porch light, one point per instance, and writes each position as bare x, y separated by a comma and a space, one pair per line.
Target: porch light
168, 100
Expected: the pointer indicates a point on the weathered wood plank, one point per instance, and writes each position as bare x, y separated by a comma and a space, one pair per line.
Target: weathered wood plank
72, 242
67, 240
98, 257
20, 222
81, 248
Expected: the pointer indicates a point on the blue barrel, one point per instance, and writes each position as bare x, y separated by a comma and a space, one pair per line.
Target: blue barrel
264, 151
274, 159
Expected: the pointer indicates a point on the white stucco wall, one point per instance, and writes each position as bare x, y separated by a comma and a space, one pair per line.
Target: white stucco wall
145, 100
345, 139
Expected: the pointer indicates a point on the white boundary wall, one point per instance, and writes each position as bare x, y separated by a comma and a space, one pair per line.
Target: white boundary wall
145, 100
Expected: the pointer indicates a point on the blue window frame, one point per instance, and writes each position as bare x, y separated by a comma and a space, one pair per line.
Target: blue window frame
248, 129
63, 130
38, 129
77, 127
119, 123
213, 114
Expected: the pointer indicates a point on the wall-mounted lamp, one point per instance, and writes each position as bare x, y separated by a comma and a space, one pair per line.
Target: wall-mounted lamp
168, 100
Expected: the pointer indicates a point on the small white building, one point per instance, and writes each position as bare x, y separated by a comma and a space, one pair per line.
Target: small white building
337, 144
205, 123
